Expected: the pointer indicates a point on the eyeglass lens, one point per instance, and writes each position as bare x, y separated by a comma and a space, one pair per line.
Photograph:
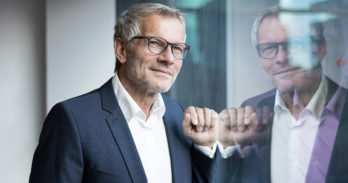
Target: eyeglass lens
158, 45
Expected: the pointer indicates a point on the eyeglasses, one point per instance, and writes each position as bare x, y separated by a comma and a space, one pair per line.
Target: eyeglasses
157, 45
269, 50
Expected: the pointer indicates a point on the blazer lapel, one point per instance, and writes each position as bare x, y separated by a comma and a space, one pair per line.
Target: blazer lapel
338, 167
121, 133
265, 169
179, 151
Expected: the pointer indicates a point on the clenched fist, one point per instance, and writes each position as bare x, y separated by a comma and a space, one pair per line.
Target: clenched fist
244, 126
201, 126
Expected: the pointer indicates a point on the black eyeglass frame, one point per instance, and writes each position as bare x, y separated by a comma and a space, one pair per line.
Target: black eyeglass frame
187, 47
284, 44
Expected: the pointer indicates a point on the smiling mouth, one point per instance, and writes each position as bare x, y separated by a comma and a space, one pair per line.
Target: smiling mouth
285, 71
164, 71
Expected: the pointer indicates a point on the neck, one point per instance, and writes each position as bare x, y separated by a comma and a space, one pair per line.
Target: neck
304, 94
142, 96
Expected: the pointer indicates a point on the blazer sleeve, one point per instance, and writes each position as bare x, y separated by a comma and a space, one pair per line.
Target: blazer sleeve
58, 157
228, 170
203, 167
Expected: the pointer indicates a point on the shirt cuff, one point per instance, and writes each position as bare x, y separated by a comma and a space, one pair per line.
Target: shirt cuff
207, 150
230, 150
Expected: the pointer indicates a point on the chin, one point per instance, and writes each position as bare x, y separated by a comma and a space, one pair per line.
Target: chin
291, 88
284, 86
165, 88
160, 87
286, 89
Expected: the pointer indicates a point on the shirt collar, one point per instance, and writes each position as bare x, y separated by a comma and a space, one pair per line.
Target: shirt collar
335, 104
279, 104
315, 105
129, 107
317, 102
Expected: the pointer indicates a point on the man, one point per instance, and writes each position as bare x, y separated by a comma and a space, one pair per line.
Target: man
126, 131
303, 139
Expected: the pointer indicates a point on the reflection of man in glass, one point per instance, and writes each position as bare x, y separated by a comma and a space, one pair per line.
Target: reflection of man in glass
304, 138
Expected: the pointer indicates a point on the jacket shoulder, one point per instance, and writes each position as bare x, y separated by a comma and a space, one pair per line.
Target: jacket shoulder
266, 98
172, 103
88, 99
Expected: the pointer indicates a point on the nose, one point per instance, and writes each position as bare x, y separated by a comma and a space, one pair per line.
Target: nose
167, 56
282, 56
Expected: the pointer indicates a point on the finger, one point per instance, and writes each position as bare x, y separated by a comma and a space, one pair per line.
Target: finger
193, 115
232, 113
240, 119
256, 124
214, 119
247, 114
224, 118
214, 125
207, 119
266, 110
223, 121
200, 118
254, 121
186, 123
258, 115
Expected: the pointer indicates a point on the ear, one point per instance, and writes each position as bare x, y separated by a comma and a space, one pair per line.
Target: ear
120, 50
340, 62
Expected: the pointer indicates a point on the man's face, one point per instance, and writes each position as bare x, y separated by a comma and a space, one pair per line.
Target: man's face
281, 71
146, 70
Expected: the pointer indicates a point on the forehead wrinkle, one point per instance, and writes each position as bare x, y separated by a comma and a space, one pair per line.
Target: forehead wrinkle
272, 30
158, 25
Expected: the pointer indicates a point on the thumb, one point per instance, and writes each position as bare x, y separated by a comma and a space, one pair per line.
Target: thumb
186, 122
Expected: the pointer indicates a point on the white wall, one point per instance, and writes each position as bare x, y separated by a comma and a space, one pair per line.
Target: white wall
245, 77
80, 54
44, 60
22, 95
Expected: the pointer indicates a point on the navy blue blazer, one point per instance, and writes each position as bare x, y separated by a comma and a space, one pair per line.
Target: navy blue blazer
257, 167
87, 139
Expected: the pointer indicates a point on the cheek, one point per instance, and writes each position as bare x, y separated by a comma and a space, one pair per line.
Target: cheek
139, 64
177, 66
267, 67
136, 68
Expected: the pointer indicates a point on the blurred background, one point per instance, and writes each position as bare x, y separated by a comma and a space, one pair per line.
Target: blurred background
53, 50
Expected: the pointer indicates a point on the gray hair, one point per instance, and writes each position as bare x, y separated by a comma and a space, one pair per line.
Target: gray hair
274, 12
127, 25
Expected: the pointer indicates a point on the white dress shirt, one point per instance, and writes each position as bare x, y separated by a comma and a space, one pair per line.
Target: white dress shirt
293, 140
149, 135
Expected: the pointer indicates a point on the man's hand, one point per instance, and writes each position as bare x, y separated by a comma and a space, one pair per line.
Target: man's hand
200, 125
243, 126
